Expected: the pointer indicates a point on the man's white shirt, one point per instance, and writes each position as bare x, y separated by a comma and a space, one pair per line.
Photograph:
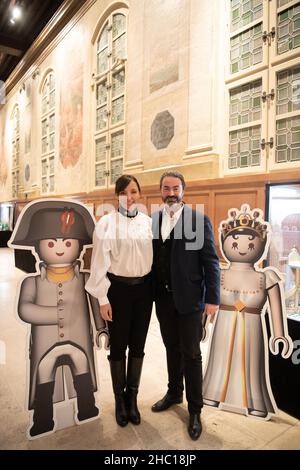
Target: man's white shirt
169, 221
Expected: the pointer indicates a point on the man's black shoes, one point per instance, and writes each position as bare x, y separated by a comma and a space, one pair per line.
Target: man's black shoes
166, 402
195, 426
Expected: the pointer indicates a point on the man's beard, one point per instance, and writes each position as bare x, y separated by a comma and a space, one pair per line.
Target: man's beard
173, 204
172, 200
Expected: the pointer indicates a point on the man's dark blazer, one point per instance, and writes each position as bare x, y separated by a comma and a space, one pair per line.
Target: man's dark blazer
195, 272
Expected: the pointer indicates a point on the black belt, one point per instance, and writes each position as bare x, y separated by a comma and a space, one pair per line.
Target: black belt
130, 281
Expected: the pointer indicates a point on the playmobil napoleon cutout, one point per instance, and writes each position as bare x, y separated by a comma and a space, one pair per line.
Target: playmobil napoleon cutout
55, 303
237, 376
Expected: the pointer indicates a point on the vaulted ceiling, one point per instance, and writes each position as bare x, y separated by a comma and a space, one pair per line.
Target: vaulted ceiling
17, 35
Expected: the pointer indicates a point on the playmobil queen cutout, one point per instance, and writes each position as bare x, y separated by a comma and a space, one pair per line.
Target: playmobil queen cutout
237, 376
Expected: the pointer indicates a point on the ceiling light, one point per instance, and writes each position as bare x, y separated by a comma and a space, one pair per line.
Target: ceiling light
12, 21
16, 13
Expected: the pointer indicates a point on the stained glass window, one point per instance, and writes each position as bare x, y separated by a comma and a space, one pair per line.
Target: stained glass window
244, 12
288, 90
246, 49
245, 103
288, 29
244, 147
288, 140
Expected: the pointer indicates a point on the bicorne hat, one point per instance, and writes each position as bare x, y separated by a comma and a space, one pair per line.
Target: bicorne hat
53, 218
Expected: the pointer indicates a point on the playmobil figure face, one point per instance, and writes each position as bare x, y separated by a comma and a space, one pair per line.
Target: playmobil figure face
243, 246
58, 251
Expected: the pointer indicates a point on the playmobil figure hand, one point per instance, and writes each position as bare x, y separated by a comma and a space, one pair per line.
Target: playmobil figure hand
106, 312
103, 332
287, 345
211, 309
205, 323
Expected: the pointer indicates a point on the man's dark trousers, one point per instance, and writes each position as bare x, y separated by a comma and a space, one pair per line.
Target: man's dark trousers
181, 335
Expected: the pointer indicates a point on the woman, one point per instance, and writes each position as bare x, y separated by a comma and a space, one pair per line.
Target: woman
120, 279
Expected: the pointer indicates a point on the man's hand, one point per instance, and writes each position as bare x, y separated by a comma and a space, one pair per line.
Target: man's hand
211, 309
106, 312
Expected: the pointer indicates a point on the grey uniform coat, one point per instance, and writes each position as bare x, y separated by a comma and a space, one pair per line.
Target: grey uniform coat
59, 314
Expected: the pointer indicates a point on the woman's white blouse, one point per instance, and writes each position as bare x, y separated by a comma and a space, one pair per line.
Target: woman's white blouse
122, 246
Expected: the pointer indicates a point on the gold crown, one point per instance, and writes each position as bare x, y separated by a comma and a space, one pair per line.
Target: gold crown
245, 218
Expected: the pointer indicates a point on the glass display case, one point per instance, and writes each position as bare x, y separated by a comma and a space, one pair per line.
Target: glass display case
283, 213
7, 217
284, 373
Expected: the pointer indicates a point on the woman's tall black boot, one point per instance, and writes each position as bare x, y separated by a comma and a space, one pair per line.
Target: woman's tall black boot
134, 370
117, 369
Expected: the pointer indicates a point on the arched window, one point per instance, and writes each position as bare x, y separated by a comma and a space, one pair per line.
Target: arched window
15, 145
110, 99
48, 134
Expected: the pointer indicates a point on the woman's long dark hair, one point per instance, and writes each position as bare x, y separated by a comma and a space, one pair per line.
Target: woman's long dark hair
122, 183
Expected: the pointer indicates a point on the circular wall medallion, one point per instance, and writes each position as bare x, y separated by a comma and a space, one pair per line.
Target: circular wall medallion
162, 130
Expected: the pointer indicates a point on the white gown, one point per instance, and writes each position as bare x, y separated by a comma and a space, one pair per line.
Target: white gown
236, 372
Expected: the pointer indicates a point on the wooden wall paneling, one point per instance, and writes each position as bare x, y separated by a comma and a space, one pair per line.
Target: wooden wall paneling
212, 215
261, 198
87, 258
143, 202
224, 200
200, 198
153, 203
106, 206
212, 209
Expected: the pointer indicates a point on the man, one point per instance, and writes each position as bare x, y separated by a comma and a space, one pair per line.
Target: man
187, 284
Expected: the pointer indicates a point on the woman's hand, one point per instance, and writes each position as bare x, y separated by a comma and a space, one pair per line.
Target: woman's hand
106, 312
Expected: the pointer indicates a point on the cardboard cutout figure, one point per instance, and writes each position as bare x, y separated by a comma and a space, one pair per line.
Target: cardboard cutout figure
237, 376
55, 303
